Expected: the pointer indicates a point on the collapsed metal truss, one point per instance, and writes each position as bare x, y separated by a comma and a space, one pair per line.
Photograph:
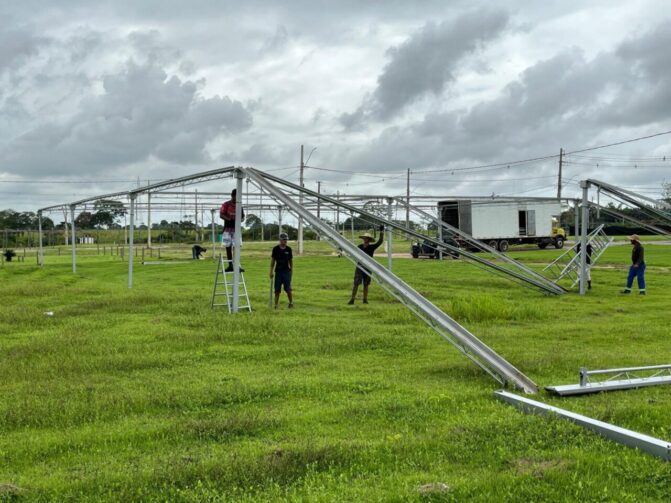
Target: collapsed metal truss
462, 339
645, 443
622, 378
447, 231
630, 219
544, 284
644, 203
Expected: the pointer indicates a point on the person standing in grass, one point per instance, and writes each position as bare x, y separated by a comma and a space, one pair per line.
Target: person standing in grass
361, 274
588, 263
637, 268
227, 214
282, 262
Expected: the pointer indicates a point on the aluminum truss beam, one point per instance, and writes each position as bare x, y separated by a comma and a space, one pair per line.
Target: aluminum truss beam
635, 199
205, 176
446, 229
624, 378
645, 443
486, 358
545, 285
624, 216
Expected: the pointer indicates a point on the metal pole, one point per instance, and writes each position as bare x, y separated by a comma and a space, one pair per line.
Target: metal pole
279, 213
300, 219
73, 238
149, 219
319, 201
238, 241
584, 184
390, 215
351, 221
214, 246
195, 215
40, 256
338, 212
577, 220
440, 235
407, 201
131, 232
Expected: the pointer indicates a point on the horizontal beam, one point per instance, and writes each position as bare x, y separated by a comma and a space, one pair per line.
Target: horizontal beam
645, 443
612, 385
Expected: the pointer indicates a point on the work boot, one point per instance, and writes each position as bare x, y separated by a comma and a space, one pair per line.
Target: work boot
626, 290
290, 306
351, 302
589, 285
642, 292
229, 269
365, 301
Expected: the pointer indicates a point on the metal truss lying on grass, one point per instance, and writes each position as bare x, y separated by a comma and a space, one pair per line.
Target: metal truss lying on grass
645, 443
623, 378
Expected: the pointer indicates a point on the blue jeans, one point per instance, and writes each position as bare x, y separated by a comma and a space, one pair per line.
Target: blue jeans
639, 274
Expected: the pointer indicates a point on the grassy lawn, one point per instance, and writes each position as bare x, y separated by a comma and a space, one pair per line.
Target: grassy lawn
149, 395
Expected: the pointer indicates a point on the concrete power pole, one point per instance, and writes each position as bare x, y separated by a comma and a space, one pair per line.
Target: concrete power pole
300, 197
407, 201
561, 163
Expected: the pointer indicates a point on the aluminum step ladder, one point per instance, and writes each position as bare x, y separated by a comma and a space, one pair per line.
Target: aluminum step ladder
567, 265
224, 279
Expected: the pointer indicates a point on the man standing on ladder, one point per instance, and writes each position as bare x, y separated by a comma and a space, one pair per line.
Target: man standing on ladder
227, 214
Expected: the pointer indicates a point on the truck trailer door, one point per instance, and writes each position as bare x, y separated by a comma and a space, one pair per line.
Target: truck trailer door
531, 222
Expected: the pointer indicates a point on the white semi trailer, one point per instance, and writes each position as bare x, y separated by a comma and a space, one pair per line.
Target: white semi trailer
501, 223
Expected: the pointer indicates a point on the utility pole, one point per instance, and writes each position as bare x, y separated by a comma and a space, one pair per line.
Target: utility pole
300, 197
407, 201
561, 163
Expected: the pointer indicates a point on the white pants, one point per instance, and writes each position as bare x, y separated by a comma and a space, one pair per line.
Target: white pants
228, 239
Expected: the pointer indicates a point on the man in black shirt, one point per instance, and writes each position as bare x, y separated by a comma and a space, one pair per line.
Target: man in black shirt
283, 263
361, 274
637, 268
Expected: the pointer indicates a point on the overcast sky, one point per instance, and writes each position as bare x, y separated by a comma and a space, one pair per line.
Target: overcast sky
124, 90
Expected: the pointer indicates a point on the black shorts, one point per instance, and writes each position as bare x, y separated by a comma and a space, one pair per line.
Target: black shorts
282, 279
361, 276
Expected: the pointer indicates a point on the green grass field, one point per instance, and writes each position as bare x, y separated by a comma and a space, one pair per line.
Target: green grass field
149, 395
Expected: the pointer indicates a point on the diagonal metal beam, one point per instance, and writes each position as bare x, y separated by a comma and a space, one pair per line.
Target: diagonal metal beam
452, 331
464, 236
545, 285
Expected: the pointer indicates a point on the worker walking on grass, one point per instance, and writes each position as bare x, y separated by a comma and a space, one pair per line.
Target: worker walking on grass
637, 268
227, 214
282, 261
588, 262
361, 273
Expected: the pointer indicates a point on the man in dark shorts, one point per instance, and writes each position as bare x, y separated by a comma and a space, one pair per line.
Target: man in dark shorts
361, 274
283, 263
227, 214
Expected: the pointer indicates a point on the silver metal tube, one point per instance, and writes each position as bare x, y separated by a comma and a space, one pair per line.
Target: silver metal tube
131, 233
576, 212
214, 246
626, 369
237, 241
583, 238
73, 238
651, 445
448, 328
390, 216
40, 256
149, 219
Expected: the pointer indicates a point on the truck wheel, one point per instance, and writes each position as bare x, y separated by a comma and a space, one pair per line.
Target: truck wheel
543, 245
559, 242
415, 255
492, 244
503, 246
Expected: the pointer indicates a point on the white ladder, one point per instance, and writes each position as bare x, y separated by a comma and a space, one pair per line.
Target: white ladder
567, 265
222, 278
